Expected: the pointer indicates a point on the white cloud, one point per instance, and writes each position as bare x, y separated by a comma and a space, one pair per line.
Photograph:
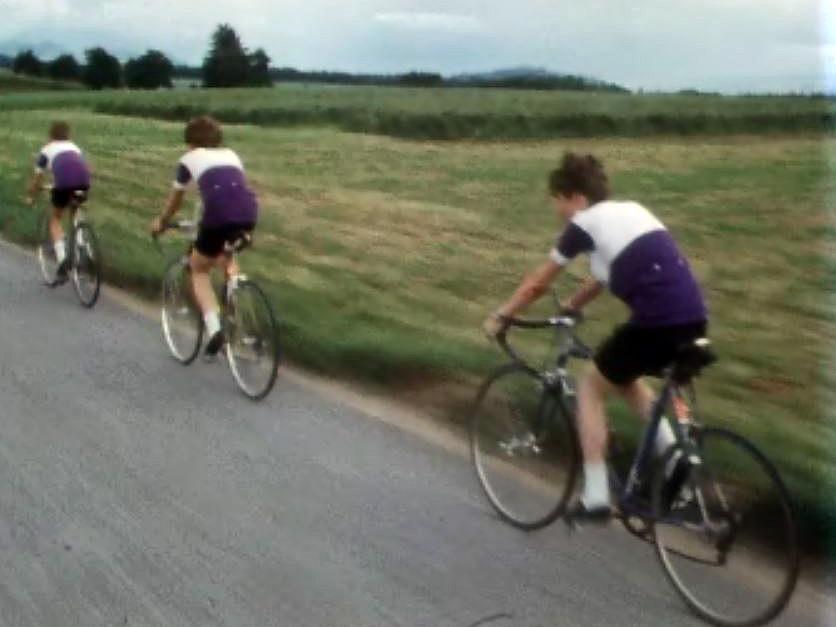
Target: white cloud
431, 21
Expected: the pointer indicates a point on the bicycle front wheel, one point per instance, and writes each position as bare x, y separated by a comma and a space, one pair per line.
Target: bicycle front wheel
181, 321
727, 540
86, 271
524, 448
46, 251
252, 335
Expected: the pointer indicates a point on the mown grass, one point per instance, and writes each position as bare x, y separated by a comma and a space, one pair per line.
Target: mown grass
10, 82
383, 256
446, 113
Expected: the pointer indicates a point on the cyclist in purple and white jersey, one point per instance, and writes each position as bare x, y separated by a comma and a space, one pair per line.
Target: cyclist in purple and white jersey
70, 182
633, 254
230, 210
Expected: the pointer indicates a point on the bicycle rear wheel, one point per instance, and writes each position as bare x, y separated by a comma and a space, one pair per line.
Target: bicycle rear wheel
181, 321
728, 539
252, 340
524, 448
86, 272
46, 251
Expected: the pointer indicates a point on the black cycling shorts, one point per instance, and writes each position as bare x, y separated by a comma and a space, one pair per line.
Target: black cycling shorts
61, 198
211, 241
633, 351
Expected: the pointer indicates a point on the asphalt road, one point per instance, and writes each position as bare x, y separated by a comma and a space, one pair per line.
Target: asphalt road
134, 491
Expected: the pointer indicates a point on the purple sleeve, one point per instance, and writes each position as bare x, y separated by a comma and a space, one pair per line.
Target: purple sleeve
41, 162
572, 242
183, 176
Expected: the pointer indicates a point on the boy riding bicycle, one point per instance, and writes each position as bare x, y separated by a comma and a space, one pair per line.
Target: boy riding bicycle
633, 254
71, 183
229, 213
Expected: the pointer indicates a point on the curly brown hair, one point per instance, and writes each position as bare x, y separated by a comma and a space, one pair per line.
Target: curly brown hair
203, 132
580, 174
59, 131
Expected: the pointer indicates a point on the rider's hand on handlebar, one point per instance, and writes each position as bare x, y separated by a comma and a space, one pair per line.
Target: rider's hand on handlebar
157, 226
494, 325
571, 312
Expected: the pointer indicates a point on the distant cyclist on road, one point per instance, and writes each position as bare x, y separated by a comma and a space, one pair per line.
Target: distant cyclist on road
230, 210
633, 254
70, 180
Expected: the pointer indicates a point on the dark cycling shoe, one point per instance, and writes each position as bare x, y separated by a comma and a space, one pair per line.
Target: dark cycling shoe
214, 345
580, 513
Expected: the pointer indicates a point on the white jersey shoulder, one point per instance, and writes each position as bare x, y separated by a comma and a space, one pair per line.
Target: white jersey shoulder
614, 225
200, 160
55, 148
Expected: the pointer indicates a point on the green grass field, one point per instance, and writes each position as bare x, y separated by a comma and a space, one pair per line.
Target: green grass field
447, 113
383, 255
14, 83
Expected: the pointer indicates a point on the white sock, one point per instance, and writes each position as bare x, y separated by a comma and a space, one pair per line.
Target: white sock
596, 486
665, 437
213, 323
60, 250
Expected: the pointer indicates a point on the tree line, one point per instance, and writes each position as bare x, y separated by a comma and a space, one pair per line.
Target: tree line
101, 69
228, 63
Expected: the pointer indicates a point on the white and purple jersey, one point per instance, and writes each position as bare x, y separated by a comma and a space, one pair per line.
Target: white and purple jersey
219, 174
67, 164
632, 253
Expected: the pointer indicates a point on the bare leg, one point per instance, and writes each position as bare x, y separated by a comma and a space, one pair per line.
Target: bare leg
204, 294
640, 397
592, 422
56, 234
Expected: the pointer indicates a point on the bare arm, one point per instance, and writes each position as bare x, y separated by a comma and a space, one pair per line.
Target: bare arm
532, 287
588, 292
34, 187
172, 206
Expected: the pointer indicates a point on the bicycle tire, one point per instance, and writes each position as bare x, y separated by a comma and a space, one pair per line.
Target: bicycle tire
182, 324
257, 343
547, 482
86, 264
772, 552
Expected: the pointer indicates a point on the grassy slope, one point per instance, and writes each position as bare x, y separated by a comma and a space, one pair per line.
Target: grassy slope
383, 255
14, 83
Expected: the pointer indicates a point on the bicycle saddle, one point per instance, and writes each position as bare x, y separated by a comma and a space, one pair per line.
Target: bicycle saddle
691, 359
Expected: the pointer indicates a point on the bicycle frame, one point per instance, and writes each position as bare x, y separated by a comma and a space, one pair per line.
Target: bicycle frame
189, 227
640, 468
558, 385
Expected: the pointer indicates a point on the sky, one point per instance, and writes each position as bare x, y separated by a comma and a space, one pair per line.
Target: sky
725, 45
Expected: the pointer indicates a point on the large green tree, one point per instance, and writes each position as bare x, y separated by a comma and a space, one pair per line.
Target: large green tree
150, 71
259, 73
227, 64
26, 62
103, 70
64, 67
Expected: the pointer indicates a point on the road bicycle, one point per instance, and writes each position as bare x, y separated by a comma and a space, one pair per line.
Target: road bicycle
248, 322
83, 253
726, 535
